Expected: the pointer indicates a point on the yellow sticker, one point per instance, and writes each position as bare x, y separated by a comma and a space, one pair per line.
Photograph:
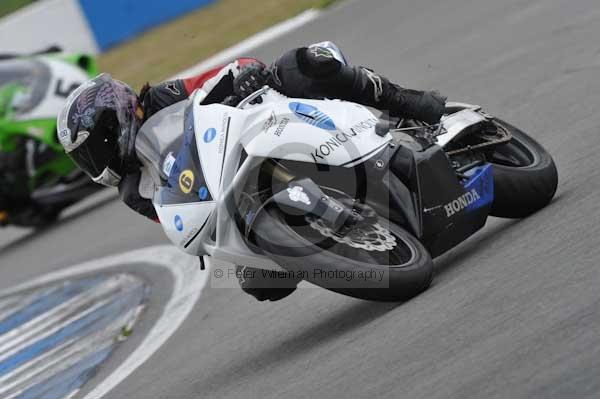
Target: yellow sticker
186, 181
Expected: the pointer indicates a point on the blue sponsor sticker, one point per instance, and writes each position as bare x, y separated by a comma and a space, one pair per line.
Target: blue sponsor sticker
479, 187
312, 115
178, 223
203, 193
210, 135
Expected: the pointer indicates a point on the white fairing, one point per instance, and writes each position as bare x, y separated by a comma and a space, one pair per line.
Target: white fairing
191, 218
462, 116
274, 131
63, 78
326, 132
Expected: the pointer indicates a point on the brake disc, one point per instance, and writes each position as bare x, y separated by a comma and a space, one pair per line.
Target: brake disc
370, 237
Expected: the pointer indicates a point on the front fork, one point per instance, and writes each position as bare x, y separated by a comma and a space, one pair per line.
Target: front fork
302, 196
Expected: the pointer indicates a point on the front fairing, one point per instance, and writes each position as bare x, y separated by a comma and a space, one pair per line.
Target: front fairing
167, 147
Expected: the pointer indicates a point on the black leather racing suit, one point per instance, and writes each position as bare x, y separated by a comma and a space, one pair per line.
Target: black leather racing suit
320, 72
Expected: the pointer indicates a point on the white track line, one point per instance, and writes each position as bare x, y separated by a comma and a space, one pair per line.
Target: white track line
189, 281
251, 43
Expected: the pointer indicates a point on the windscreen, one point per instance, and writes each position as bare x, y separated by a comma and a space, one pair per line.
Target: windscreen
27, 82
166, 145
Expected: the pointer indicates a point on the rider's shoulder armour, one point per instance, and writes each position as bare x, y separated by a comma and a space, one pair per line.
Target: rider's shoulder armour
162, 95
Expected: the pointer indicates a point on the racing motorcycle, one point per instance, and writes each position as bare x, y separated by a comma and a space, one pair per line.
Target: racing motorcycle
32, 162
344, 198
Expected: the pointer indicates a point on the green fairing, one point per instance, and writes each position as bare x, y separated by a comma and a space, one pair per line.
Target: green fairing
43, 130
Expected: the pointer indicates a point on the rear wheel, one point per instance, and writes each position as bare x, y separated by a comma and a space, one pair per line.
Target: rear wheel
377, 260
525, 176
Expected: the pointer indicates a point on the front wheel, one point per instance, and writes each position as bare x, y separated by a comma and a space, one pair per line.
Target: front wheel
377, 260
34, 217
525, 176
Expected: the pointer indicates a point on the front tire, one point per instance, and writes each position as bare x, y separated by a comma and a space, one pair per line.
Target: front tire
525, 176
406, 266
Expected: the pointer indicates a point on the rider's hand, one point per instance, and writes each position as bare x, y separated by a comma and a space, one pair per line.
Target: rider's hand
252, 78
231, 101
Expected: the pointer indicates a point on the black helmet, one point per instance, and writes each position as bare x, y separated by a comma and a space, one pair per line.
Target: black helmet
97, 128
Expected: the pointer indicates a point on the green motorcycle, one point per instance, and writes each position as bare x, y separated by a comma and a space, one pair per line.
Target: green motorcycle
37, 179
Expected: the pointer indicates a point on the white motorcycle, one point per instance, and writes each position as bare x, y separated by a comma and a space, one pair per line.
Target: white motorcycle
333, 193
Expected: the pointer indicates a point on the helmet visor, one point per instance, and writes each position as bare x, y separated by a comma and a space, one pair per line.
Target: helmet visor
99, 149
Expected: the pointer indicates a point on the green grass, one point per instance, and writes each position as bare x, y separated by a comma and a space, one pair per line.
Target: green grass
182, 43
8, 6
325, 3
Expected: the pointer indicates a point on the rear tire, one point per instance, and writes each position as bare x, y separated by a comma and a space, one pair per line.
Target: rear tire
525, 176
303, 249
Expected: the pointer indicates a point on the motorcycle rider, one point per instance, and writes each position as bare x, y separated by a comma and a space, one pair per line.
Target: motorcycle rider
99, 123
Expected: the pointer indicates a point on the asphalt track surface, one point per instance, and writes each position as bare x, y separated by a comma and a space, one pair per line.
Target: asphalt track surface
513, 313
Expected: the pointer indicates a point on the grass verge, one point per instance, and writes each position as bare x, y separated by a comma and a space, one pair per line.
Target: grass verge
8, 6
177, 45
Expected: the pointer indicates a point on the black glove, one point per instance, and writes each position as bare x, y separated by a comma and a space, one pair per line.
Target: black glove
231, 101
252, 78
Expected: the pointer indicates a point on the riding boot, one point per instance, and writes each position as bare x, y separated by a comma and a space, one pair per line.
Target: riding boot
426, 106
265, 284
